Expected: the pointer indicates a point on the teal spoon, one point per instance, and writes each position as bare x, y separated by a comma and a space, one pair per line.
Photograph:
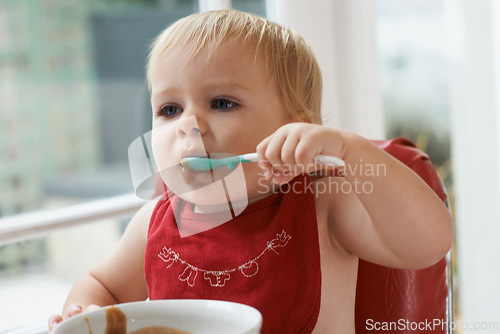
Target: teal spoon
203, 164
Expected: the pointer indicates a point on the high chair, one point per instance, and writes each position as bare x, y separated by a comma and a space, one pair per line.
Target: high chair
406, 299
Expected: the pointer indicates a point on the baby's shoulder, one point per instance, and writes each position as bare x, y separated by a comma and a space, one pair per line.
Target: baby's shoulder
147, 210
141, 219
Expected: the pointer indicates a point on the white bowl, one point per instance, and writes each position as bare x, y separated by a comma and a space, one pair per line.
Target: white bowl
191, 315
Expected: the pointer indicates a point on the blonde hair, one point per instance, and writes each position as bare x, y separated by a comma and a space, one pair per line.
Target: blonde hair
286, 54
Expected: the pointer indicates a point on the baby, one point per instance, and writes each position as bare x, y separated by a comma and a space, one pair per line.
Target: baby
228, 81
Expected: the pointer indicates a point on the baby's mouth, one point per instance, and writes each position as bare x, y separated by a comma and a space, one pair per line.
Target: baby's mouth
188, 174
191, 152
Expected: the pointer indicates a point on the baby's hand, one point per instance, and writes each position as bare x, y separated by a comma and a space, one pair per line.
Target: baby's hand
291, 150
72, 310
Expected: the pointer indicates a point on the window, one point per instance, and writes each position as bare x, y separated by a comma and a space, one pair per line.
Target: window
73, 99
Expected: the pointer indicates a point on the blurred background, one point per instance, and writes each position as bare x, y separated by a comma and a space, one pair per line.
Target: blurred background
73, 97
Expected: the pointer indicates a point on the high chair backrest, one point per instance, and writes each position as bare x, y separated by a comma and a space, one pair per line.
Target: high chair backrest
405, 301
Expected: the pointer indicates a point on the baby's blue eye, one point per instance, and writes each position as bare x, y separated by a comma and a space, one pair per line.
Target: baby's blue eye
223, 104
169, 110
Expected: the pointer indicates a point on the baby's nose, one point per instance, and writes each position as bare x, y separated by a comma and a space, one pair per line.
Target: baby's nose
187, 127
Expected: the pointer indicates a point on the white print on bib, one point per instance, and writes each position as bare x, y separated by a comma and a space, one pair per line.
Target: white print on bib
218, 278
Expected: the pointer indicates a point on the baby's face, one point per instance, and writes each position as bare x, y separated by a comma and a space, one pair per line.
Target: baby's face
226, 104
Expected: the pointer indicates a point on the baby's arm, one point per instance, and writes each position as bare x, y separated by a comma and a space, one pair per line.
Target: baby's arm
401, 223
396, 220
118, 278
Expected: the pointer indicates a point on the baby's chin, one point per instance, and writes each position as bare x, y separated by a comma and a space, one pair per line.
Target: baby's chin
211, 194
215, 202
217, 189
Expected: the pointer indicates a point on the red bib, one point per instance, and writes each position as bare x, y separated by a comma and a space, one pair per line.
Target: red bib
266, 257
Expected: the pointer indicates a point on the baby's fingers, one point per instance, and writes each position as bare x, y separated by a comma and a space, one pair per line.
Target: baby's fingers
91, 307
270, 150
54, 319
266, 168
72, 310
